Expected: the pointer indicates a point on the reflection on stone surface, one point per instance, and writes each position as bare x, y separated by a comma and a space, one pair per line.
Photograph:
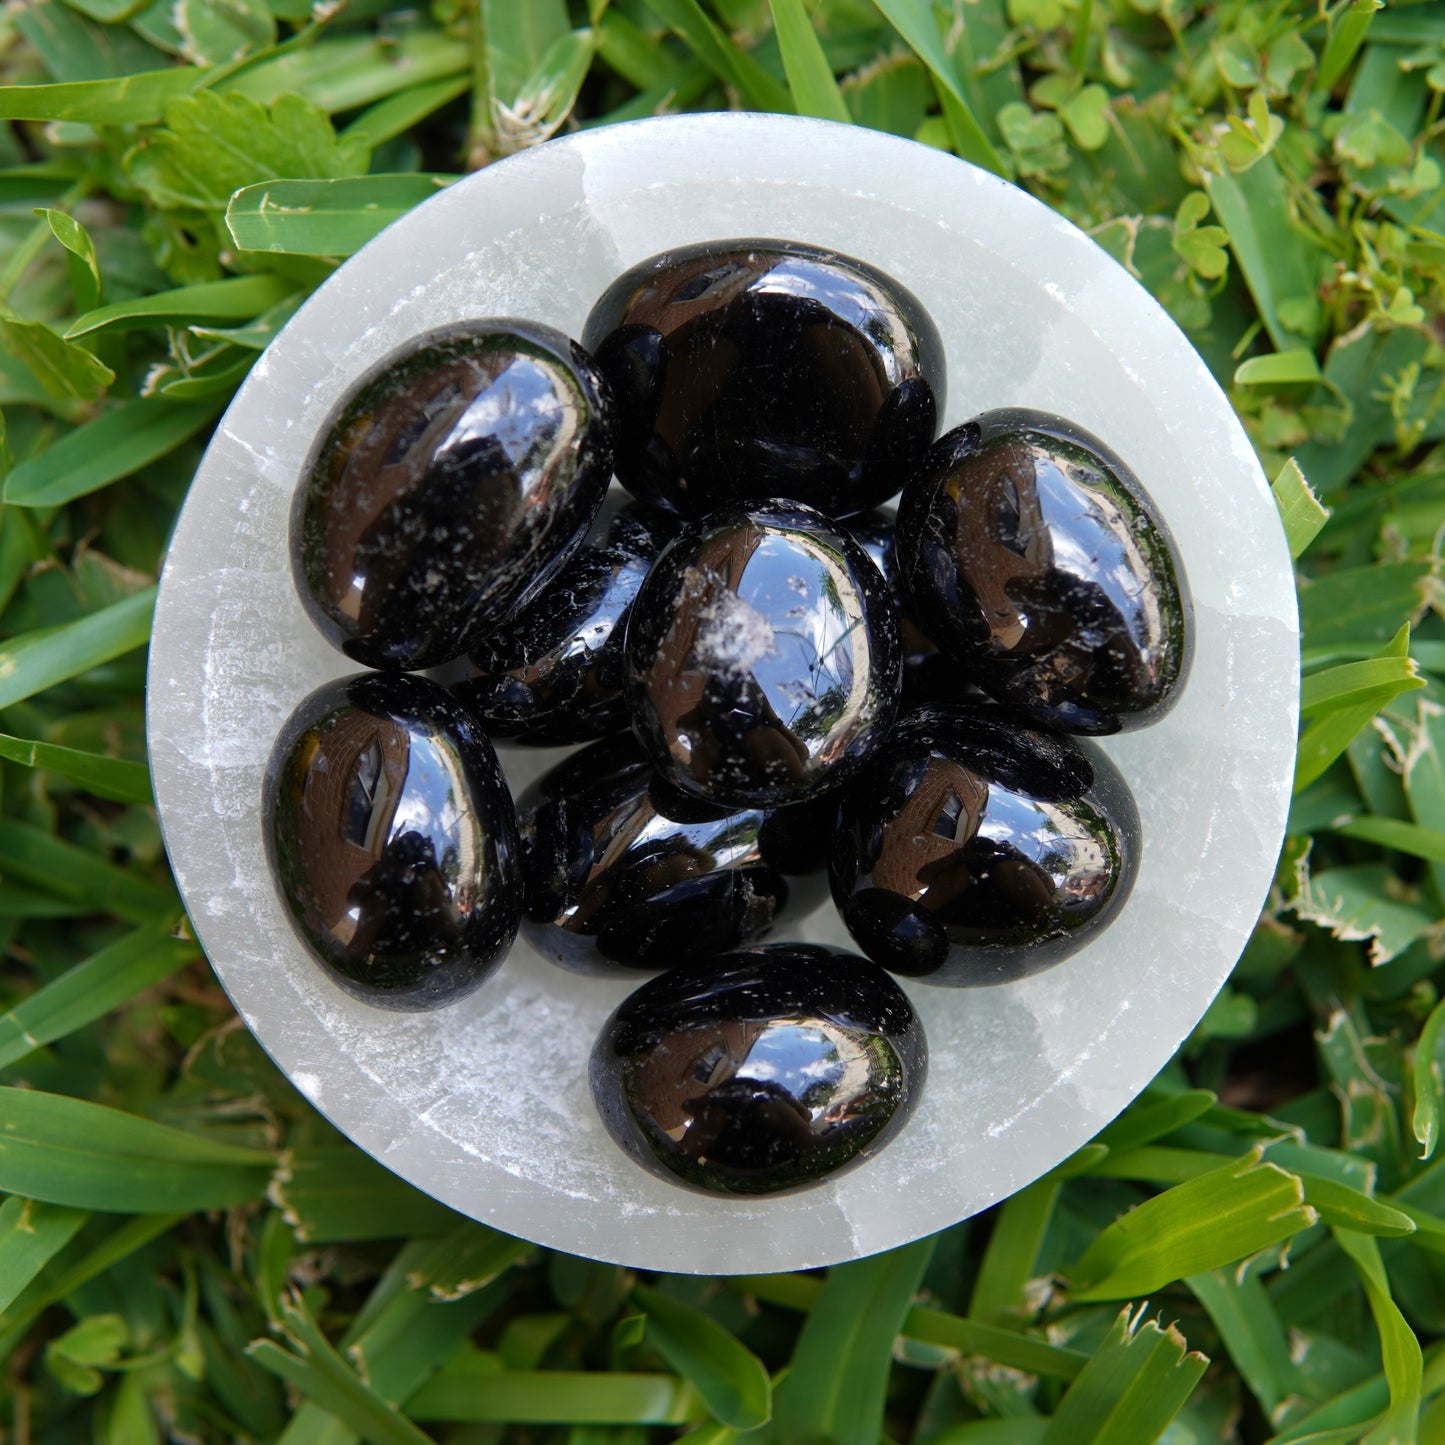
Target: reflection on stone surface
928, 674
450, 486
760, 1071
978, 849
762, 657
553, 675
1034, 556
623, 871
752, 369
393, 841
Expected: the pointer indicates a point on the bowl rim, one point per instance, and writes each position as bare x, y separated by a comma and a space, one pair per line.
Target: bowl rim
205, 712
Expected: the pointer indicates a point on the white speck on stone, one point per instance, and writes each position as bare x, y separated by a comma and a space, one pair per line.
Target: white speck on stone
732, 635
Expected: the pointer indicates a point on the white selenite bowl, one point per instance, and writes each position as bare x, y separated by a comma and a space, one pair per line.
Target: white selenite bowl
486, 1104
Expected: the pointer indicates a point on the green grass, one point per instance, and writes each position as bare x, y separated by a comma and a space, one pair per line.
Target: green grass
187, 1251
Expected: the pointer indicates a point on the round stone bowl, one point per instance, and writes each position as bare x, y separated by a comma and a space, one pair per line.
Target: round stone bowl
485, 1105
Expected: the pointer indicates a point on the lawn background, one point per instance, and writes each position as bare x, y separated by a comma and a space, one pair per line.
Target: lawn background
188, 1252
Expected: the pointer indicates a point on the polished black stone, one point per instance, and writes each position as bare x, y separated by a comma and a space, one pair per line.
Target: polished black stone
762, 1071
977, 849
1033, 555
937, 677
763, 657
750, 369
875, 531
393, 841
623, 871
553, 675
451, 485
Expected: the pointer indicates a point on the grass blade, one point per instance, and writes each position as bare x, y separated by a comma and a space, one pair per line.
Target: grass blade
628, 50
1253, 207
84, 269
717, 51
91, 989
835, 1386
1252, 1333
1279, 368
729, 1378
399, 113
116, 444
1149, 1119
1358, 903
1136, 1383
466, 1260
398, 1339
71, 1275
1353, 1209
1300, 510
1351, 683
915, 21
347, 72
114, 778
934, 1327
37, 660
64, 371
1424, 753
31, 1235
257, 334
1000, 1293
517, 37
1403, 837
810, 77
1399, 1348
412, 1338
70, 872
87, 1156
1428, 1080
1340, 714
238, 298
18, 902
1346, 36
320, 1374
1213, 1220
332, 1194
1012, 1430
326, 217
474, 1388
129, 100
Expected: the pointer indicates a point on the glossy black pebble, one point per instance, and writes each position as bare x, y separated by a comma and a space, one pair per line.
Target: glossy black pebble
928, 674
1034, 556
393, 840
763, 657
750, 369
760, 1072
553, 674
623, 871
978, 850
453, 482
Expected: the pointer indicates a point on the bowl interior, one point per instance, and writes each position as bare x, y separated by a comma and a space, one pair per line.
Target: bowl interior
485, 1105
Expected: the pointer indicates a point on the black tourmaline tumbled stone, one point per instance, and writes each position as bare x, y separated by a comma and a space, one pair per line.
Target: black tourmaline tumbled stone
762, 1071
751, 369
1033, 556
553, 674
977, 849
623, 871
763, 657
393, 840
876, 532
453, 482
